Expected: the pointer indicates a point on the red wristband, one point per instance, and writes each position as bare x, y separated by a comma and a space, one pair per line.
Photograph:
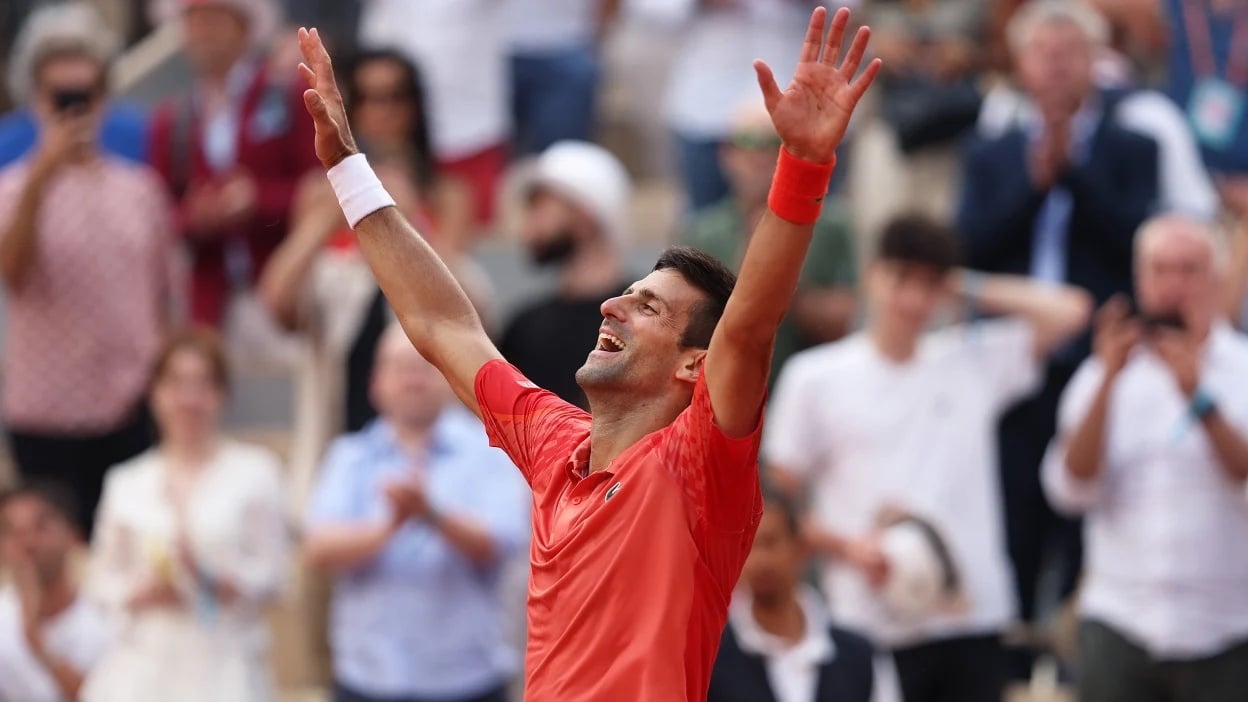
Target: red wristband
798, 188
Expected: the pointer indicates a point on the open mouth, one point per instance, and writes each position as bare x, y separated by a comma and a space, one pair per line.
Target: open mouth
610, 343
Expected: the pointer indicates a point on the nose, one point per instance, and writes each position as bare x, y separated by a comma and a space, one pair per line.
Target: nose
613, 308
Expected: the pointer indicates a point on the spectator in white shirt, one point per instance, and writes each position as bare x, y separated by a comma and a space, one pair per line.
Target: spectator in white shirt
895, 422
49, 636
1151, 448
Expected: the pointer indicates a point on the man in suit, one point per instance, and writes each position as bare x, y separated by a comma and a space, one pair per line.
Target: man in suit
1059, 197
779, 645
232, 150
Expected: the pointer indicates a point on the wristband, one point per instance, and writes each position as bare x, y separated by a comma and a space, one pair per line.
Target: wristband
359, 191
798, 188
1202, 404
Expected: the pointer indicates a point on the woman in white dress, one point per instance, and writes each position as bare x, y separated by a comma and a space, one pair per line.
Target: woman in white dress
191, 546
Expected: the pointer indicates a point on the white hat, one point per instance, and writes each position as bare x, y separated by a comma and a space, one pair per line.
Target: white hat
921, 580
591, 178
77, 24
262, 16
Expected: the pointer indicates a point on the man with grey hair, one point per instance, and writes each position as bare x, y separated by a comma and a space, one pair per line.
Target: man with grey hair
1057, 196
123, 127
1153, 448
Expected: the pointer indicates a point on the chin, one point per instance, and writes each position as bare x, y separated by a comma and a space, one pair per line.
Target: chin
601, 370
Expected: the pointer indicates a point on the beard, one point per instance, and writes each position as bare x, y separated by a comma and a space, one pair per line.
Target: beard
555, 250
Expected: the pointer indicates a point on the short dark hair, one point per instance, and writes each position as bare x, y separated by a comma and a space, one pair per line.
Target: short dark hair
786, 506
59, 498
704, 272
915, 238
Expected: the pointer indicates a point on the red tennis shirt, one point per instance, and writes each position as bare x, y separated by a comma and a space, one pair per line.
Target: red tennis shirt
632, 566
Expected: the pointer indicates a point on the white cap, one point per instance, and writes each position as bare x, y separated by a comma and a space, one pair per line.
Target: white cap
591, 178
77, 24
916, 574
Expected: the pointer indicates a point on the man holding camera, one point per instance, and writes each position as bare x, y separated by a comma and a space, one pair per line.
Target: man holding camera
87, 261
1151, 447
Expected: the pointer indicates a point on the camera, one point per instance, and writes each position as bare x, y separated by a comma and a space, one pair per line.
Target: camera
71, 101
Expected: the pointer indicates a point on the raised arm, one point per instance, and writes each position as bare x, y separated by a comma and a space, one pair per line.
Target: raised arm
1056, 313
810, 116
433, 309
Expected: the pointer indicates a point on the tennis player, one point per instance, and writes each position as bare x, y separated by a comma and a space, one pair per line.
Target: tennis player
645, 509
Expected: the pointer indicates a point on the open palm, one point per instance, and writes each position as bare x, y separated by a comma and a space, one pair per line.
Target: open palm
324, 101
812, 114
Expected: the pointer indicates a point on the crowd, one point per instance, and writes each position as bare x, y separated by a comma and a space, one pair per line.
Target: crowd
1011, 380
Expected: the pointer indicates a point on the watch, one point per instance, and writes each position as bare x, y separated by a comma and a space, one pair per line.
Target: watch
1202, 404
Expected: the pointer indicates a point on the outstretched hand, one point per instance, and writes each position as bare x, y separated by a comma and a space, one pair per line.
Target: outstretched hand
324, 102
812, 114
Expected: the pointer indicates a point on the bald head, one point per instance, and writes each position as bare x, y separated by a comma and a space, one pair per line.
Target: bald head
1178, 265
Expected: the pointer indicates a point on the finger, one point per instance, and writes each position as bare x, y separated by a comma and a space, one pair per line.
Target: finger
865, 80
767, 83
836, 36
1114, 310
309, 76
814, 36
316, 106
858, 49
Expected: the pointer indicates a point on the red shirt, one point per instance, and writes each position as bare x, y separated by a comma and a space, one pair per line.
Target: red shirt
633, 566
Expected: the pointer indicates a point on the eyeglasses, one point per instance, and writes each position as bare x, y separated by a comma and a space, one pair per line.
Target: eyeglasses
389, 97
68, 98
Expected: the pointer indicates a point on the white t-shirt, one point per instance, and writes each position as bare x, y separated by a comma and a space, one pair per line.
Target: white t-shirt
459, 47
714, 76
537, 26
869, 433
79, 635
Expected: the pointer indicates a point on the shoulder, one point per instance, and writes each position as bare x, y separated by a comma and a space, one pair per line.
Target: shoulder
139, 175
827, 360
257, 463
132, 474
13, 175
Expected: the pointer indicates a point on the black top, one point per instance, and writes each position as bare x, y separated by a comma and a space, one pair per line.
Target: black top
742, 677
360, 360
549, 340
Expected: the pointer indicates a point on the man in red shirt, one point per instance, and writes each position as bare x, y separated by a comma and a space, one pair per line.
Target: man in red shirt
645, 510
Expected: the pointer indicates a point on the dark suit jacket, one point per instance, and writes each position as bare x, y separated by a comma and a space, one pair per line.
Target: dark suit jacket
1113, 191
742, 677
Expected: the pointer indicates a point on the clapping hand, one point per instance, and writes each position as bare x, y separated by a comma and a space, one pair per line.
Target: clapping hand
812, 114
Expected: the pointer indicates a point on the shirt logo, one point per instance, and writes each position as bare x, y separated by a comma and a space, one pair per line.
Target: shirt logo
611, 492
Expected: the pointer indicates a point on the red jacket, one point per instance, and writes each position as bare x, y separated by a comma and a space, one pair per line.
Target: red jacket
275, 146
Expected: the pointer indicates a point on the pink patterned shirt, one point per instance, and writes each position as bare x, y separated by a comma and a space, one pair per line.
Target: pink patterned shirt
84, 329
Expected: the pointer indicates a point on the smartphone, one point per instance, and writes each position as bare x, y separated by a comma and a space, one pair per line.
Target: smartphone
1170, 320
72, 100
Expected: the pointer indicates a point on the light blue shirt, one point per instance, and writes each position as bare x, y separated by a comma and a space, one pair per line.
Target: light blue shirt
1049, 243
421, 620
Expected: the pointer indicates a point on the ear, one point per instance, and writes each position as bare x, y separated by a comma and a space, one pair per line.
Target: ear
691, 365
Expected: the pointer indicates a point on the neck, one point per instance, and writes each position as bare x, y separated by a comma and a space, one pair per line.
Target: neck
412, 438
593, 270
191, 451
894, 344
623, 419
57, 597
781, 617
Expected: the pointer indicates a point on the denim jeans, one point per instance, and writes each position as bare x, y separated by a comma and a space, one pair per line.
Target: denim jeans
553, 97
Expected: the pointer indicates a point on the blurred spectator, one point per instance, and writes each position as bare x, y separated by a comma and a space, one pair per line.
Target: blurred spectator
1235, 293
823, 308
713, 73
1058, 197
123, 128
88, 258
555, 68
320, 285
894, 427
190, 548
1152, 448
576, 219
780, 643
460, 47
232, 149
414, 515
49, 636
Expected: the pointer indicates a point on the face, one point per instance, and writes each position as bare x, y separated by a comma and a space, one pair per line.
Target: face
639, 344
553, 228
186, 398
72, 85
216, 37
1055, 67
31, 527
774, 565
383, 107
905, 296
1175, 274
749, 160
407, 389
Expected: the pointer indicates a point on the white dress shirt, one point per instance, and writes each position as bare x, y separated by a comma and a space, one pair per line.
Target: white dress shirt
793, 669
869, 433
1166, 528
79, 636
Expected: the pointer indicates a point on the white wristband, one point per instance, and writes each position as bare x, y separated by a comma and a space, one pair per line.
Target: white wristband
359, 191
